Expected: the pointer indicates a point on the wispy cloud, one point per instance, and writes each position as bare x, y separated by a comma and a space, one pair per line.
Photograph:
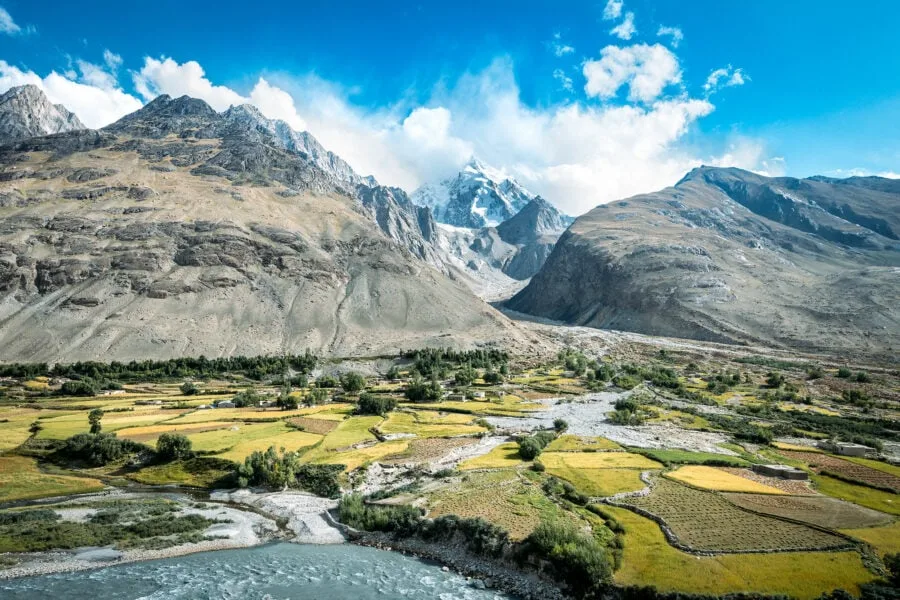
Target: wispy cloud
674, 33
626, 29
565, 82
558, 47
724, 77
7, 24
613, 10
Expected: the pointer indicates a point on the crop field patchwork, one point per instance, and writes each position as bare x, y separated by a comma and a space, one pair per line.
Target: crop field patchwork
599, 474
599, 460
707, 521
310, 425
880, 478
14, 428
817, 510
688, 457
789, 486
149, 434
648, 559
429, 424
713, 478
353, 459
885, 540
885, 502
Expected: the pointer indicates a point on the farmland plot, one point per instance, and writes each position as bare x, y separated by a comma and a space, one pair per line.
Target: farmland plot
817, 510
708, 522
879, 478
713, 478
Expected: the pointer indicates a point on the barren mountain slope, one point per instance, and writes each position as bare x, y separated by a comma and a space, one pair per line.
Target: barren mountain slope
26, 112
175, 234
727, 255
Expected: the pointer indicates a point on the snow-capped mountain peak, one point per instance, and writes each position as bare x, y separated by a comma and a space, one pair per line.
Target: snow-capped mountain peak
477, 196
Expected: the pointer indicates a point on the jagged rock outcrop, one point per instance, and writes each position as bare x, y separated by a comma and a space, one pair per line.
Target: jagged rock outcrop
179, 230
26, 112
727, 255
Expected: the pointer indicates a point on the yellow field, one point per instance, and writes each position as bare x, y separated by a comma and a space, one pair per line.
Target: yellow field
711, 478
354, 459
598, 460
291, 441
785, 446
886, 540
148, 434
250, 414
20, 479
429, 424
649, 560
574, 443
504, 455
858, 494
600, 482
15, 431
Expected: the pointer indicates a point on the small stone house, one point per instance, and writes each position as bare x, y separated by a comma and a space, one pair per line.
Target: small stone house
781, 471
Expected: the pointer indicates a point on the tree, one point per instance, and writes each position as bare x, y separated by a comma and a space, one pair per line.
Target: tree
493, 377
35, 428
327, 381
188, 388
173, 446
94, 419
85, 387
844, 373
370, 404
774, 379
604, 372
393, 373
316, 396
529, 448
419, 391
353, 382
465, 376
287, 402
560, 425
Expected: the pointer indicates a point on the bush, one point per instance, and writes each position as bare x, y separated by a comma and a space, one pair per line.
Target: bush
862, 377
538, 467
560, 425
529, 448
402, 519
189, 389
774, 379
81, 387
248, 397
465, 376
284, 470
604, 372
315, 397
353, 382
98, 449
94, 418
892, 564
173, 446
844, 373
393, 373
370, 404
625, 382
327, 381
578, 559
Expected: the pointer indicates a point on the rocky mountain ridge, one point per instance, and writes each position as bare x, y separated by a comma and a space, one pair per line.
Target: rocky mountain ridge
727, 255
26, 112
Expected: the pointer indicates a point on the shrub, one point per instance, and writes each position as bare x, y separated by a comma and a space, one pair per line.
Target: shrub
94, 418
774, 379
284, 470
465, 376
560, 425
98, 449
538, 467
315, 397
892, 564
81, 387
327, 381
393, 373
248, 397
625, 382
370, 404
402, 519
862, 377
529, 448
189, 389
493, 377
604, 372
353, 382
173, 446
419, 391
578, 559
844, 373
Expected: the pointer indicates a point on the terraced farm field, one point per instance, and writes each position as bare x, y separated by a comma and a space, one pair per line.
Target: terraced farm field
879, 478
503, 456
430, 424
886, 502
426, 450
817, 510
686, 457
574, 443
713, 478
648, 559
599, 474
707, 521
21, 479
886, 540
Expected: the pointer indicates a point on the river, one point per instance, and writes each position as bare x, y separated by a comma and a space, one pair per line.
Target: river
271, 572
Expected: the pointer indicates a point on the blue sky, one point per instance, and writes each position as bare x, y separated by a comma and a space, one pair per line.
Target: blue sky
817, 90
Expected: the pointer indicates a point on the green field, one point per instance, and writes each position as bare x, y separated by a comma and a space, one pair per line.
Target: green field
20, 479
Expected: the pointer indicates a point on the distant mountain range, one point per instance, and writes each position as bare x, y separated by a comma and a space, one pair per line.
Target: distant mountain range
731, 256
180, 230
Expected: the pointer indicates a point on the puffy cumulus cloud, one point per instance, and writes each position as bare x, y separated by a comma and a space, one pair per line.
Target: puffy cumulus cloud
613, 10
95, 97
750, 154
166, 76
647, 70
626, 29
674, 33
724, 77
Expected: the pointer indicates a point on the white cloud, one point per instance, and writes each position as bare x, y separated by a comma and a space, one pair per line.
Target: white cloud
625, 30
647, 70
859, 172
565, 82
7, 25
113, 61
674, 32
96, 100
613, 10
559, 48
275, 103
724, 77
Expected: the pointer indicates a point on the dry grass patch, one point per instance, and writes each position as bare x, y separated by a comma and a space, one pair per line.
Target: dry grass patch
320, 426
714, 478
149, 434
427, 450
